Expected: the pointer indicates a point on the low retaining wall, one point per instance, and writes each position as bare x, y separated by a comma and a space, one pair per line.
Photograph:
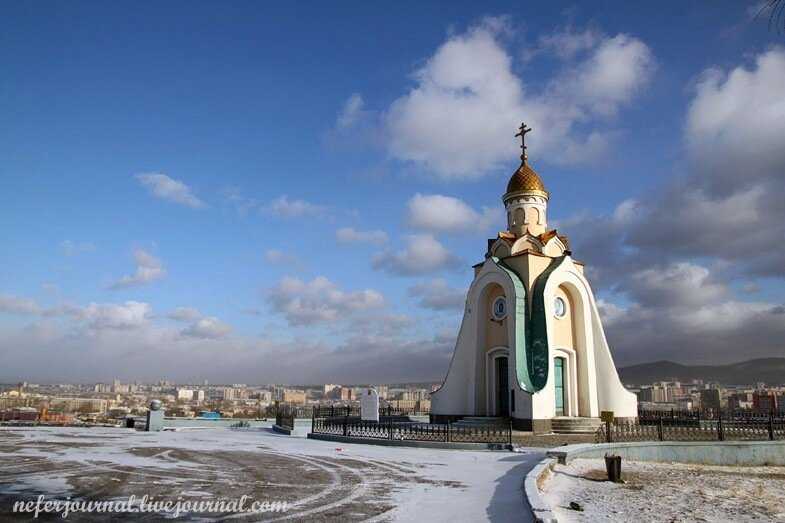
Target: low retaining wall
408, 443
739, 453
302, 427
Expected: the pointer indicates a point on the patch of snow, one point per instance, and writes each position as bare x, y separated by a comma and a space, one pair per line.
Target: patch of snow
670, 492
461, 485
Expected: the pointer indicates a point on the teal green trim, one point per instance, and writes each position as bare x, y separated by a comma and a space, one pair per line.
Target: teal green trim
538, 328
531, 330
521, 370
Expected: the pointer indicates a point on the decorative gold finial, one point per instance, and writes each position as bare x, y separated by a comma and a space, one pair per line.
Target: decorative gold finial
522, 133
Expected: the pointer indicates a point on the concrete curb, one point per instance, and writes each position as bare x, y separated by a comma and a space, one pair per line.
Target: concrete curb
541, 511
736, 453
409, 443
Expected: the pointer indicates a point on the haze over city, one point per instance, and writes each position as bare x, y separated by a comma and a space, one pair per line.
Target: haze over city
193, 193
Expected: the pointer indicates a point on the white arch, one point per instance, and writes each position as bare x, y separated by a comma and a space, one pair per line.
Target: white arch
584, 348
599, 387
456, 395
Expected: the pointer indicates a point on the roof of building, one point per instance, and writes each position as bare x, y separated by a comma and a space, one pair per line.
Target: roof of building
525, 179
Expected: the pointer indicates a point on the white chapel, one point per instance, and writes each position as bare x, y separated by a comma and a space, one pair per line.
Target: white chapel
531, 345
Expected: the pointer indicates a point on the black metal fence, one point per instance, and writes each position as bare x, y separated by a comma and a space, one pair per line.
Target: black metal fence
696, 426
286, 414
354, 410
395, 426
340, 410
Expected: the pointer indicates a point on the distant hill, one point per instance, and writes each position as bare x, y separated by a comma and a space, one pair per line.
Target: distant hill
768, 370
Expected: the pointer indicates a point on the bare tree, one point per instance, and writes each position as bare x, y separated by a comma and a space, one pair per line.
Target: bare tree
776, 10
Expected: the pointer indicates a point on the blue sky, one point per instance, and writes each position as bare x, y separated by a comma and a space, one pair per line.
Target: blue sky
174, 179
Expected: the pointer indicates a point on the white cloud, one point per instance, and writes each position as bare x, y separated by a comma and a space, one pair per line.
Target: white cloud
166, 188
729, 206
351, 235
235, 197
609, 312
458, 120
680, 283
128, 315
320, 300
46, 353
148, 269
207, 328
423, 254
692, 222
12, 304
736, 122
438, 213
677, 253
286, 208
626, 211
121, 340
184, 314
71, 248
617, 69
202, 327
18, 305
352, 112
99, 317
680, 312
566, 43
437, 295
279, 257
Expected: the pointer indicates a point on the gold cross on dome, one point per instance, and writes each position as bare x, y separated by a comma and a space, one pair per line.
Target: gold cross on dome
522, 130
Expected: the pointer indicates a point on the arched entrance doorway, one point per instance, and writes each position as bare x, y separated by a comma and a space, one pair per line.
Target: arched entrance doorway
502, 385
560, 385
498, 383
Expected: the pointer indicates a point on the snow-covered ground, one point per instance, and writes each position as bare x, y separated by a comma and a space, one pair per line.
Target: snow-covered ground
321, 480
668, 492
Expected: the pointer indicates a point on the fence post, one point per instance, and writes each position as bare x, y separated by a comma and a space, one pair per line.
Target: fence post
608, 437
390, 426
346, 423
660, 429
720, 432
509, 433
448, 430
313, 418
771, 425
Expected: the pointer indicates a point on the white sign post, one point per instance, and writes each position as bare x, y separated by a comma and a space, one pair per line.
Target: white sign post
369, 405
155, 417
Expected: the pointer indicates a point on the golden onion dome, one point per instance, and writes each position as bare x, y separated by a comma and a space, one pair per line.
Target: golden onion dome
525, 180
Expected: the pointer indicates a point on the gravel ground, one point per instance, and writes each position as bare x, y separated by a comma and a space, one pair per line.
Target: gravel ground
668, 492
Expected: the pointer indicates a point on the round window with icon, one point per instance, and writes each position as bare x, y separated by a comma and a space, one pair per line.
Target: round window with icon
559, 307
499, 308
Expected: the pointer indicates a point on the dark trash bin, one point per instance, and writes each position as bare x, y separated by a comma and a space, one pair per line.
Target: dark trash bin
613, 467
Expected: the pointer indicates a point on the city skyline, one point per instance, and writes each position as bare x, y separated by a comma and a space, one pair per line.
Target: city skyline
294, 202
